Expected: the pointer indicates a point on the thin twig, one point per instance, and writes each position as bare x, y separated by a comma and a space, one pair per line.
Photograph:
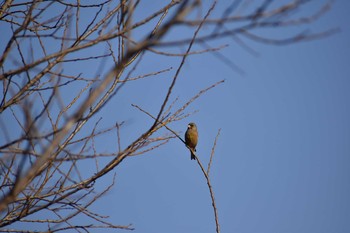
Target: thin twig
213, 151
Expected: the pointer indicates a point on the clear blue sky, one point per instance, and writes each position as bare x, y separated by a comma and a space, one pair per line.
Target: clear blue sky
282, 162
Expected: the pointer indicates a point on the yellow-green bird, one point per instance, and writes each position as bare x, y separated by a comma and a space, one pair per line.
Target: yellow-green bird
191, 137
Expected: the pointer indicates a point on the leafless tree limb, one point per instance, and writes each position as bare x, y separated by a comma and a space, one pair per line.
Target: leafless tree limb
50, 121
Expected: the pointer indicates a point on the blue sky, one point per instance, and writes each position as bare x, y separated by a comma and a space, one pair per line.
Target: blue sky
282, 159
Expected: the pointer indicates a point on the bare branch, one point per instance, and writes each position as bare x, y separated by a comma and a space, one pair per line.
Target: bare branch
213, 151
63, 64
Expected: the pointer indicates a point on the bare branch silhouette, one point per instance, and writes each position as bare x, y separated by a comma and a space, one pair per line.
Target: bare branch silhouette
62, 64
205, 173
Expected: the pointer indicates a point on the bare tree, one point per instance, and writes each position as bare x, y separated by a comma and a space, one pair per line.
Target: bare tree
52, 133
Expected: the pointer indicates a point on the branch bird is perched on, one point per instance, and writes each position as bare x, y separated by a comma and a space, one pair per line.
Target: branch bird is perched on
191, 138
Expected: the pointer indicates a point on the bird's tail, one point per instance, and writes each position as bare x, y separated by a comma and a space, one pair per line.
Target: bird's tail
193, 157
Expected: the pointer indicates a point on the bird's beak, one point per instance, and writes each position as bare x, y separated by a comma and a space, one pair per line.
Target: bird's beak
188, 126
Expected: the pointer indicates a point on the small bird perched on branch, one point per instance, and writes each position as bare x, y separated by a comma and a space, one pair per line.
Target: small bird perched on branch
191, 138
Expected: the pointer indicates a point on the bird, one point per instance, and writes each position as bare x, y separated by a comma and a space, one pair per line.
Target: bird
191, 138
